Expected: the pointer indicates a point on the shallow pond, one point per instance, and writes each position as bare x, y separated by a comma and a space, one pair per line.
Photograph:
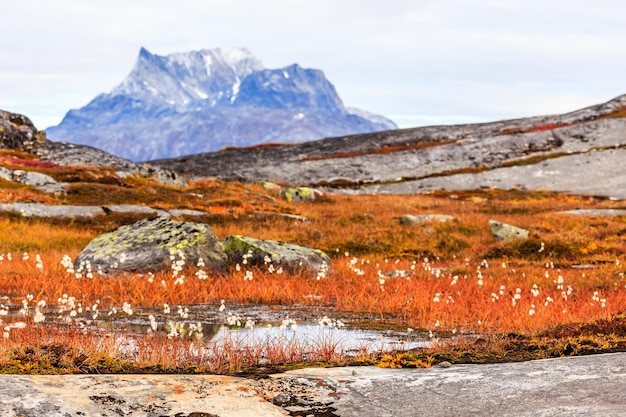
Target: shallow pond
234, 324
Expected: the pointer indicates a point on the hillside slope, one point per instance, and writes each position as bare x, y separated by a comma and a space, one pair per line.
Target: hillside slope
578, 152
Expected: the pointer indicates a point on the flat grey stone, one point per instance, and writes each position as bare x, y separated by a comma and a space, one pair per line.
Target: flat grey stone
585, 386
38, 180
186, 212
595, 212
49, 210
413, 220
131, 395
133, 208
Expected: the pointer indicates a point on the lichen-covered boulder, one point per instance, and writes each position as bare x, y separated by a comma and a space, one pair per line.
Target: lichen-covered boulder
300, 194
148, 245
268, 185
410, 220
504, 232
291, 258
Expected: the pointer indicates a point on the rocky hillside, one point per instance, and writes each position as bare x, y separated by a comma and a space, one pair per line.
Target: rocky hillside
17, 133
579, 152
202, 101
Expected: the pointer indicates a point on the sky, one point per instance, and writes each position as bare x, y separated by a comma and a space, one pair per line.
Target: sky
417, 62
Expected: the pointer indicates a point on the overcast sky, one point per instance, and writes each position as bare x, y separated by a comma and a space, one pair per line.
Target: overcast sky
417, 62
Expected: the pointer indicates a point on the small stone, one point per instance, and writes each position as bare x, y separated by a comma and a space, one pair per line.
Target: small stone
445, 364
411, 220
300, 194
505, 232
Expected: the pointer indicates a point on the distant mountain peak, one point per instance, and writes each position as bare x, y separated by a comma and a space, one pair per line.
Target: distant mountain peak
201, 101
179, 79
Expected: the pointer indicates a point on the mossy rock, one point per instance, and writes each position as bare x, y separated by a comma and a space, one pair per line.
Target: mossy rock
410, 220
291, 258
268, 185
300, 194
505, 232
148, 245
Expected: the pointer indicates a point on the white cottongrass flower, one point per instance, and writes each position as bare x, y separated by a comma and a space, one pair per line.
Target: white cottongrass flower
183, 312
38, 262
153, 323
39, 316
126, 308
534, 290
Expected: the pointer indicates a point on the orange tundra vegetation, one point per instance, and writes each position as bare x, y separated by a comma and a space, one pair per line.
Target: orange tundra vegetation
447, 279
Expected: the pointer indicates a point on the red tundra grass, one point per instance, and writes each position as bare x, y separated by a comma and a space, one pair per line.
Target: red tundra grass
445, 278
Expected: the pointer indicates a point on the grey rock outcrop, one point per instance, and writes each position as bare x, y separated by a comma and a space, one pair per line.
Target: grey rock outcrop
543, 152
50, 210
18, 132
149, 245
595, 212
504, 232
135, 209
38, 180
411, 220
68, 154
291, 258
59, 211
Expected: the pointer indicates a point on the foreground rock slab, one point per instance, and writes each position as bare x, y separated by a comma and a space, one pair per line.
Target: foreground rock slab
131, 395
565, 387
590, 386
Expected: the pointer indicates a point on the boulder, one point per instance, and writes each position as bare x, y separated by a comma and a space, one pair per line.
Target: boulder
289, 257
38, 180
300, 194
149, 245
410, 220
504, 232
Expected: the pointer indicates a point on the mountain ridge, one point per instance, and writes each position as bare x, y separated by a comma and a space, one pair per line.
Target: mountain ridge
206, 100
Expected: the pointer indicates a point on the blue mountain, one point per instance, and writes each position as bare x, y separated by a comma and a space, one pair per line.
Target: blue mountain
203, 101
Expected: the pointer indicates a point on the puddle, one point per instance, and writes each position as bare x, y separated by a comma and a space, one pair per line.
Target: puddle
233, 324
